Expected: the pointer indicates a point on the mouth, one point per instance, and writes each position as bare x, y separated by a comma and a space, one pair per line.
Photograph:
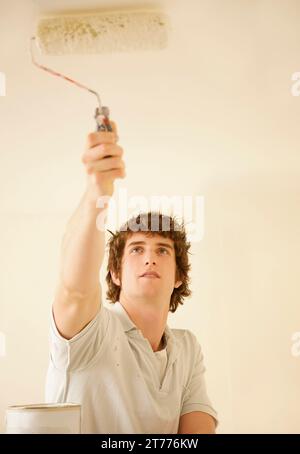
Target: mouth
151, 275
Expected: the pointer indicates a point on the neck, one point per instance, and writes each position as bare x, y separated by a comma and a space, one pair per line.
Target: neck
150, 319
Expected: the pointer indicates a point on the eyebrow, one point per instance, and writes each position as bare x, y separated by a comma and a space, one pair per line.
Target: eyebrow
135, 243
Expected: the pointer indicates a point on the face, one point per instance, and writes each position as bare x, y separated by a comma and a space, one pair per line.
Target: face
145, 254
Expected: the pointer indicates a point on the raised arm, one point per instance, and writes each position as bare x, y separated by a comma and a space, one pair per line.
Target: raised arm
78, 293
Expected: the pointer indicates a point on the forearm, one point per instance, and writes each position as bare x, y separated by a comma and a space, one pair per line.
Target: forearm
83, 249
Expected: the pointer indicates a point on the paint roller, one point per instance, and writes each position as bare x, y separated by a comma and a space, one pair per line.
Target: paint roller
102, 32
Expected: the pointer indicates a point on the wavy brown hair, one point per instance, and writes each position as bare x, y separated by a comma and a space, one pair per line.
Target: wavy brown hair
151, 223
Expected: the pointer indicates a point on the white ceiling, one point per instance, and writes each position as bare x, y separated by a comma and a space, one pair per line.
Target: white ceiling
217, 101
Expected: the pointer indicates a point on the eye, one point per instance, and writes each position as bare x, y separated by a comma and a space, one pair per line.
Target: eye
164, 249
136, 248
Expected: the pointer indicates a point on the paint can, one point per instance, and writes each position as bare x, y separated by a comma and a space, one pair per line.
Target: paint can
56, 418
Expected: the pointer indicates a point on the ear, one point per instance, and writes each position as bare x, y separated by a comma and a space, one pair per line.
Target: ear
115, 279
177, 284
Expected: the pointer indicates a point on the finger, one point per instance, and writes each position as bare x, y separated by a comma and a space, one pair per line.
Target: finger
117, 173
104, 165
110, 174
99, 137
101, 151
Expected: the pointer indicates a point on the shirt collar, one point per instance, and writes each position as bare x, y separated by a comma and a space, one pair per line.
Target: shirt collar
128, 324
124, 318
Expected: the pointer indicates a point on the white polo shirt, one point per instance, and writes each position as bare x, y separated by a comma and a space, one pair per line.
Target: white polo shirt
122, 385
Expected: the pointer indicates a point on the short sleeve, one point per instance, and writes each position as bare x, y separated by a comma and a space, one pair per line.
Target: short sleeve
195, 395
77, 353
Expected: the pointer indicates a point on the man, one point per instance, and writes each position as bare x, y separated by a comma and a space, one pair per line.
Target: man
129, 371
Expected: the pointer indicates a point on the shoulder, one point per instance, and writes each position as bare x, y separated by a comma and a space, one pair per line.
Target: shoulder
187, 341
184, 335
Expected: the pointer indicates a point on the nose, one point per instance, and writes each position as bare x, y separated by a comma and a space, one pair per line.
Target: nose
149, 259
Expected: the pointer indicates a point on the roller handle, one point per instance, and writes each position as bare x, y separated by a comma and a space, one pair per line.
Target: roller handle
102, 119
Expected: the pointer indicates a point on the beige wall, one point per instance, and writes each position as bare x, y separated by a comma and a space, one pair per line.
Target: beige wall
213, 116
